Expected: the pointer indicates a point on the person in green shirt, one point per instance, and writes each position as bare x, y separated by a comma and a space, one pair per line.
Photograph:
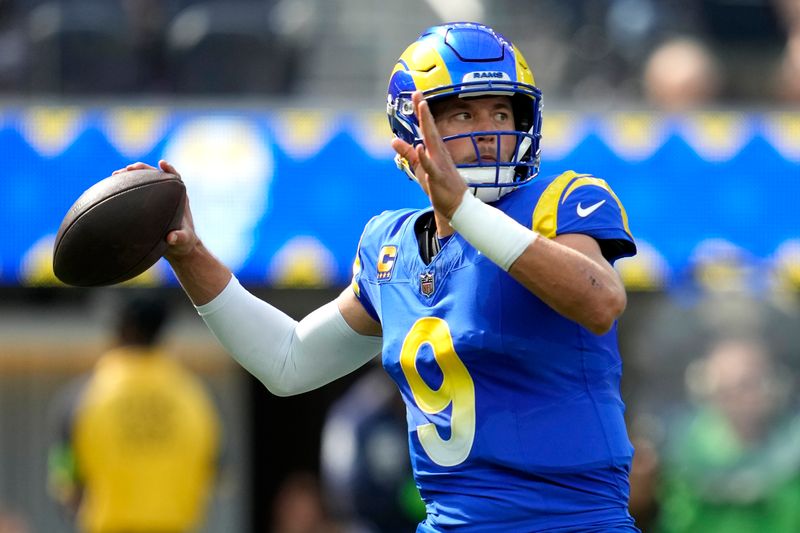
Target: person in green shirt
733, 464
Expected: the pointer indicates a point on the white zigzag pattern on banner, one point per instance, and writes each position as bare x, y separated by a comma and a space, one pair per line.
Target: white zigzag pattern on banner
372, 133
647, 270
302, 133
50, 130
782, 130
717, 136
561, 133
634, 136
134, 131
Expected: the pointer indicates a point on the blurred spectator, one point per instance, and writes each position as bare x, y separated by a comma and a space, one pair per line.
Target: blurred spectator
681, 74
148, 21
734, 464
722, 293
11, 522
13, 47
298, 507
788, 76
228, 47
643, 503
139, 443
81, 47
365, 464
584, 50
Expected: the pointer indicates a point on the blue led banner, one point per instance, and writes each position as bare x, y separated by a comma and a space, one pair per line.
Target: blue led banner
282, 196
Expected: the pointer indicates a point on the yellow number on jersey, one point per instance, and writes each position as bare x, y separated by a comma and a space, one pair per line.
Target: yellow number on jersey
457, 389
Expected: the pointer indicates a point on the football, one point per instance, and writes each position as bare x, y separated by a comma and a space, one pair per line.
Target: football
117, 229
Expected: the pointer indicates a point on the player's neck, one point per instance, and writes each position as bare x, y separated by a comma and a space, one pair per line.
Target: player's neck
430, 242
443, 228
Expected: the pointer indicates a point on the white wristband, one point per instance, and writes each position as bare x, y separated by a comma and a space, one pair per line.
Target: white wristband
493, 233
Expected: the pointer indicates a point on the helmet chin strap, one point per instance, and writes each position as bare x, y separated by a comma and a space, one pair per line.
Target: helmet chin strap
478, 175
493, 175
475, 175
487, 175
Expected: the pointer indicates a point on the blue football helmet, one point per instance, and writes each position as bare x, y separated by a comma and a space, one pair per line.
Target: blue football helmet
464, 60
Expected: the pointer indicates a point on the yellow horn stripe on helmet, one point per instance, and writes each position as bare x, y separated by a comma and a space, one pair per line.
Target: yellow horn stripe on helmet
425, 65
524, 72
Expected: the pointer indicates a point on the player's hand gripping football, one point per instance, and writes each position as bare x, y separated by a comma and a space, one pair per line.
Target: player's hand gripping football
181, 241
432, 164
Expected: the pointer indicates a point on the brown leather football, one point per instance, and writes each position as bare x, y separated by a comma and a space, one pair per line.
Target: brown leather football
117, 229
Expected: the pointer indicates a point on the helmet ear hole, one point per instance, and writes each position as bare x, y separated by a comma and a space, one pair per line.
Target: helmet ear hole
523, 114
406, 107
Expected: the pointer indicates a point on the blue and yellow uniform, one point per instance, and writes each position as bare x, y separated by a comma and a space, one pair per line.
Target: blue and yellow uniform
514, 411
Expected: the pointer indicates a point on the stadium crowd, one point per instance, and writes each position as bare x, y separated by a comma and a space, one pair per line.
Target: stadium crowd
608, 52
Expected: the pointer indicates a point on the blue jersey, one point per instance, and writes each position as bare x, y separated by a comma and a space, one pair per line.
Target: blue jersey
514, 412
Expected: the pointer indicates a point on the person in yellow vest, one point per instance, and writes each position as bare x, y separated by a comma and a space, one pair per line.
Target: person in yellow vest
139, 449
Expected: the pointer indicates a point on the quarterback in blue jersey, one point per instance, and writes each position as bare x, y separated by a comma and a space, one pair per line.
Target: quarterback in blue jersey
495, 309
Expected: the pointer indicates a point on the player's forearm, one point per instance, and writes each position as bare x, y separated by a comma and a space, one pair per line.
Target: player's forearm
287, 356
568, 278
572, 283
201, 275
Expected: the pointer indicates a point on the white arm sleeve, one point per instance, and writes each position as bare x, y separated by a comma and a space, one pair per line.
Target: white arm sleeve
287, 356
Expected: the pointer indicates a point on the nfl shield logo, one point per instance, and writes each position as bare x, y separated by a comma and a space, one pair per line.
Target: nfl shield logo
426, 283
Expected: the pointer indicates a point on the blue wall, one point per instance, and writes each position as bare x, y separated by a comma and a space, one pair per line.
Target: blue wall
282, 195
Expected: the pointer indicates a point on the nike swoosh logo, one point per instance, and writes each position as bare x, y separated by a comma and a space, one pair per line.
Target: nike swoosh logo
585, 212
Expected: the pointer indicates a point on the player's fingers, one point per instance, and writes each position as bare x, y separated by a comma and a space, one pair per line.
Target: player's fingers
133, 166
424, 160
404, 149
139, 166
422, 177
429, 124
167, 167
178, 238
430, 167
178, 244
428, 127
422, 110
427, 165
188, 220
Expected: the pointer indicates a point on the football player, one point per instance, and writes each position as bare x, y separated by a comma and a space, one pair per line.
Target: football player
495, 309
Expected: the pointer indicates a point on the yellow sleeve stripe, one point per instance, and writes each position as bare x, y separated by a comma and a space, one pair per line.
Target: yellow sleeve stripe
356, 271
545, 215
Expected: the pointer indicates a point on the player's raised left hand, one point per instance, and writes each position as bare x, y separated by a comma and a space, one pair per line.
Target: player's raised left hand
432, 164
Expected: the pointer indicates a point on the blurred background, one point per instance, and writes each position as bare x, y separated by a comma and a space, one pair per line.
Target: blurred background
273, 111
